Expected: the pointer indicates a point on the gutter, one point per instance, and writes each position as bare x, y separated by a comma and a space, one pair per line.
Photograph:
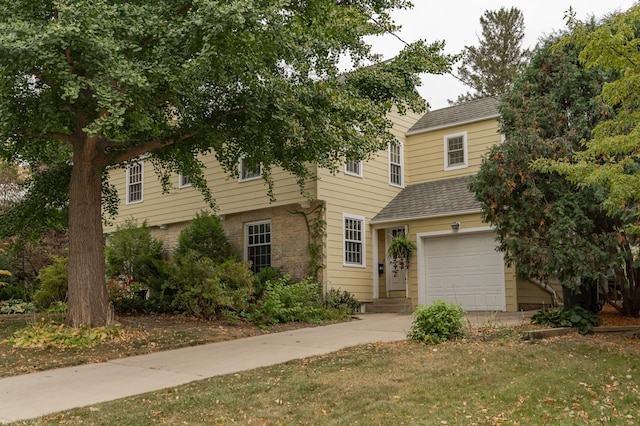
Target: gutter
447, 125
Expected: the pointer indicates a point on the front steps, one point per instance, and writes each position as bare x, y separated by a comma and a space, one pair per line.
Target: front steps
396, 305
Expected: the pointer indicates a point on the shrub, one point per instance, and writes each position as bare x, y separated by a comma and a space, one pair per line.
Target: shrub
16, 306
341, 301
576, 316
132, 252
437, 322
204, 236
53, 283
10, 286
261, 278
51, 335
205, 290
28, 257
287, 302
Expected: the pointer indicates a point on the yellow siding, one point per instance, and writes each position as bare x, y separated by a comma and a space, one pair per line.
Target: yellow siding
181, 204
365, 197
531, 296
425, 153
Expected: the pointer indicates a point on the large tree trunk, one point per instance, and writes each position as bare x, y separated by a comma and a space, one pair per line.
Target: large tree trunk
88, 296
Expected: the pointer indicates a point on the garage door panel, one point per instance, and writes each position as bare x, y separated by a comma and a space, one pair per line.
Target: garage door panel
464, 269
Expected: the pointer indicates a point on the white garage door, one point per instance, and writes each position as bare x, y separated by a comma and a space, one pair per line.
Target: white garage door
464, 269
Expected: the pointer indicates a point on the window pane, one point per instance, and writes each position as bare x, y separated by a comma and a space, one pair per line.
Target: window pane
455, 154
353, 241
456, 157
395, 164
134, 183
455, 143
353, 167
259, 246
247, 172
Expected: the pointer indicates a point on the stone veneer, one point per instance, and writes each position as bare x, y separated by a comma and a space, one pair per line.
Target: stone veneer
289, 235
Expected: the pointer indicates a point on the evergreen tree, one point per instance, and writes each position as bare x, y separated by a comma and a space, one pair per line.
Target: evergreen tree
609, 159
490, 67
548, 226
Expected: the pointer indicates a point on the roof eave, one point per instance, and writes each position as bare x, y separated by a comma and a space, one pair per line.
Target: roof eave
445, 126
433, 216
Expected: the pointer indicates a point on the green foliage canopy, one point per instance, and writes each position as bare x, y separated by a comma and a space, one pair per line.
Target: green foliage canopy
88, 84
611, 158
258, 80
546, 225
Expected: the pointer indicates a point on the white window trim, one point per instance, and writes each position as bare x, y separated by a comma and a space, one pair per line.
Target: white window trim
241, 179
128, 182
183, 185
350, 173
401, 185
363, 242
246, 236
465, 151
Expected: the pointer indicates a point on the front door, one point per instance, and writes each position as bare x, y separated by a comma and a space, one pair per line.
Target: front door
397, 281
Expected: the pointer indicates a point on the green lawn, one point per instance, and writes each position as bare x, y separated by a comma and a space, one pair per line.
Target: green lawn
572, 380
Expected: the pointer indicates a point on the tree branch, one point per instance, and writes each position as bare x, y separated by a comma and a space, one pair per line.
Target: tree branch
52, 135
137, 150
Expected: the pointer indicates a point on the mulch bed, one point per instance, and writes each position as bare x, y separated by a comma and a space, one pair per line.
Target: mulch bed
610, 317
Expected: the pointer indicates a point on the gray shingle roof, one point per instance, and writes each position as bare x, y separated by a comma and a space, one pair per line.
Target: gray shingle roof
467, 112
429, 199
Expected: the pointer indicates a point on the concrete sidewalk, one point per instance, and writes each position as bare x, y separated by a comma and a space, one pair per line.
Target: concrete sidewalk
34, 395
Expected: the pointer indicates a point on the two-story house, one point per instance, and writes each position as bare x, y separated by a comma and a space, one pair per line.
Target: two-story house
417, 187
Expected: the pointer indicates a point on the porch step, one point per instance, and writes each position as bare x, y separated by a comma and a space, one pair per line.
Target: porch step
396, 305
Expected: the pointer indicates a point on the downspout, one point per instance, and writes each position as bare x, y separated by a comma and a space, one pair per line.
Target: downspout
546, 287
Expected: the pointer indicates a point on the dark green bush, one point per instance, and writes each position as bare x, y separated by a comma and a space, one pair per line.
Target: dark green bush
53, 283
204, 236
139, 305
205, 290
341, 301
576, 316
261, 278
437, 322
132, 252
10, 286
284, 301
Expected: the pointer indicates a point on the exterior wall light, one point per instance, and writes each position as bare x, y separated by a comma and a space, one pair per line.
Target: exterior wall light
455, 226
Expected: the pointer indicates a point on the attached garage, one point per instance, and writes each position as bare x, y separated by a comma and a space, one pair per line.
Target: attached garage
462, 268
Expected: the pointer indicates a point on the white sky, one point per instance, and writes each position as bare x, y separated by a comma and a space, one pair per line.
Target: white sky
458, 23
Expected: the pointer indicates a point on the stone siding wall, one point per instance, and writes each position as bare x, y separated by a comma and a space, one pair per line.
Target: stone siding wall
289, 235
168, 234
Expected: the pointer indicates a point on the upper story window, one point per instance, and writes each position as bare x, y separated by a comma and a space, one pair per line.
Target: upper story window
258, 245
248, 172
353, 168
455, 149
353, 237
183, 181
396, 162
134, 183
